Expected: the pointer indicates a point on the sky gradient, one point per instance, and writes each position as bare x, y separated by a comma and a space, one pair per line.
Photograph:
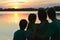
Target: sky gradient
28, 3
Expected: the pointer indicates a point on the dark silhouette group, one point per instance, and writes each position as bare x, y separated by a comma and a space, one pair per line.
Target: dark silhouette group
39, 31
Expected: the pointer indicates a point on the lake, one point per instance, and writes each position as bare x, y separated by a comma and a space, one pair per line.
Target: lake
9, 22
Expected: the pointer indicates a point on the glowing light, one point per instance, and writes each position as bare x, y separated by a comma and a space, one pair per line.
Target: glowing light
16, 18
16, 5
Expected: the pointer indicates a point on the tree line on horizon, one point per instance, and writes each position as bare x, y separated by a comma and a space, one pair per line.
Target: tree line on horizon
57, 8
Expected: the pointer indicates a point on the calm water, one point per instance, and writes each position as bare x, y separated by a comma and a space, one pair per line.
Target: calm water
9, 22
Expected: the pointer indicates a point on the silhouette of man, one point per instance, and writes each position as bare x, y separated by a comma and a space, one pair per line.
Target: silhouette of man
55, 24
21, 34
31, 26
41, 29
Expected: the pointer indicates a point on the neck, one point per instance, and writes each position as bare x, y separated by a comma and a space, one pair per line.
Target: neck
43, 20
32, 22
54, 19
21, 29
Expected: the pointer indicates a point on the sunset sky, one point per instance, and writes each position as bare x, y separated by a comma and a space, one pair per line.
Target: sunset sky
28, 3
9, 20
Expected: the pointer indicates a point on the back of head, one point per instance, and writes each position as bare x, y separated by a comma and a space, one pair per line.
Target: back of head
42, 14
51, 13
32, 18
23, 24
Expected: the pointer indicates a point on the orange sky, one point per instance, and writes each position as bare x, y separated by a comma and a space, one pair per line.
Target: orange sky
27, 3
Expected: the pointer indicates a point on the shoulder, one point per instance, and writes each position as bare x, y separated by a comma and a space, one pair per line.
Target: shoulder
37, 25
58, 21
17, 31
53, 25
26, 32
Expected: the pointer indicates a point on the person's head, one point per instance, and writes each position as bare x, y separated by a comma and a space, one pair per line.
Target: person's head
51, 13
42, 14
22, 24
32, 18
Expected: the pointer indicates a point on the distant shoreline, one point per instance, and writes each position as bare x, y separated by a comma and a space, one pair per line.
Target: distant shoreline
22, 9
4, 12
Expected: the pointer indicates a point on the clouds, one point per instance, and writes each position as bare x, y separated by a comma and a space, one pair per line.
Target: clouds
13, 0
27, 3
34, 1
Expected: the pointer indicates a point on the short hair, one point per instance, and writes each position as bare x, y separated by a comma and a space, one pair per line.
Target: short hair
42, 14
23, 24
32, 17
51, 13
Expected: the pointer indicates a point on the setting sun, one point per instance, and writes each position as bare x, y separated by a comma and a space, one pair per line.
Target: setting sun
16, 5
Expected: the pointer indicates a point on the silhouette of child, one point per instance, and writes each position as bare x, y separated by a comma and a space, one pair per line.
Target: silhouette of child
21, 34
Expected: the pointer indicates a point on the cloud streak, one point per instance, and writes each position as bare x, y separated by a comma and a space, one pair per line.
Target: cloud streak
28, 3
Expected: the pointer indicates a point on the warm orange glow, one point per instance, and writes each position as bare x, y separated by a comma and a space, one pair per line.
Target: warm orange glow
15, 17
18, 5
15, 5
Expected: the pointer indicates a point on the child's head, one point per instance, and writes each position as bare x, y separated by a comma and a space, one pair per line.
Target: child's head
32, 18
22, 24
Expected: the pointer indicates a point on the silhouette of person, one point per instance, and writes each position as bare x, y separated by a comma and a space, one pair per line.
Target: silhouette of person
41, 29
55, 24
31, 19
21, 34
31, 26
